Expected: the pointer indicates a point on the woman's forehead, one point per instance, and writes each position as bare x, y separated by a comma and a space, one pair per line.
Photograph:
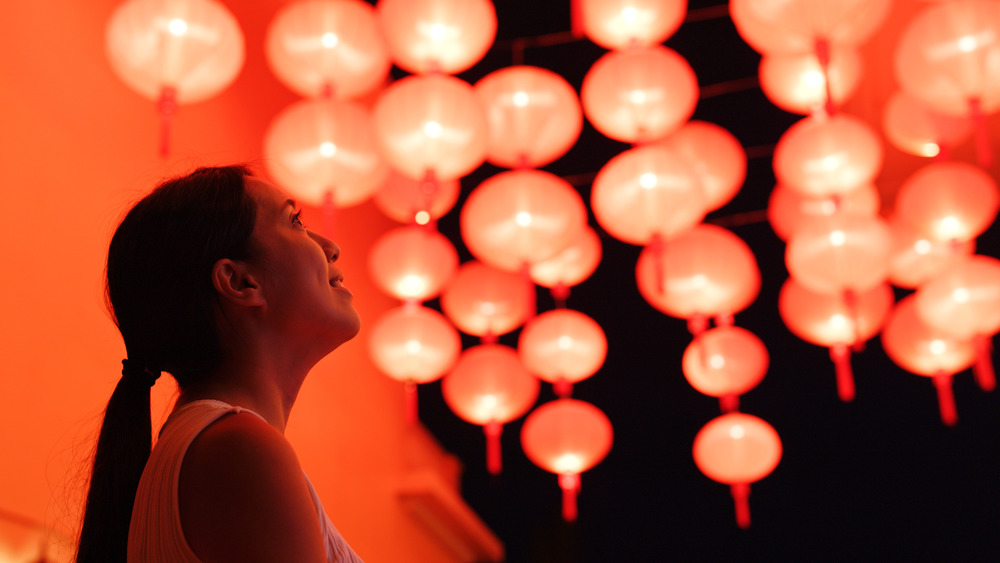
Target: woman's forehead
268, 196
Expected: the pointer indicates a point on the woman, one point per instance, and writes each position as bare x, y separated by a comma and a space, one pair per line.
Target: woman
213, 278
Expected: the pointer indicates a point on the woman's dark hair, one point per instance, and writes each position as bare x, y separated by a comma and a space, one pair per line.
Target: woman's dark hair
160, 293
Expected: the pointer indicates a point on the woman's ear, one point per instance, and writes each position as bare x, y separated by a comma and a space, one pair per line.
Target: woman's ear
236, 284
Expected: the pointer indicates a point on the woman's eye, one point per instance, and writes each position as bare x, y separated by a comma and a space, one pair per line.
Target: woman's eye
297, 219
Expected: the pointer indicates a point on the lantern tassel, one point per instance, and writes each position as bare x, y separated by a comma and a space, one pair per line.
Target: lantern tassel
562, 388
167, 107
560, 293
570, 485
851, 303
841, 356
946, 398
410, 399
983, 368
983, 153
531, 300
741, 497
656, 247
729, 403
576, 18
822, 47
493, 429
329, 213
697, 324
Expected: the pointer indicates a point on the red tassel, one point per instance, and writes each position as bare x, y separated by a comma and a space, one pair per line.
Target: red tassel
167, 107
410, 402
329, 213
563, 389
729, 403
823, 54
841, 356
741, 497
493, 459
983, 153
570, 485
983, 368
946, 399
576, 18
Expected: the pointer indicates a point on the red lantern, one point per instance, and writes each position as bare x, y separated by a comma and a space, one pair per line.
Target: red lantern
573, 265
567, 437
415, 201
534, 116
484, 301
490, 387
949, 201
914, 128
843, 252
737, 449
437, 35
799, 83
318, 47
639, 95
618, 24
787, 209
715, 155
725, 362
412, 263
916, 258
796, 27
562, 347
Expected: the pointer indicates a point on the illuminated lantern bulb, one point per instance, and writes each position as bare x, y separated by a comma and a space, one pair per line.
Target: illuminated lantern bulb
737, 449
618, 24
795, 27
843, 252
519, 217
639, 95
949, 201
446, 36
415, 201
647, 192
797, 82
562, 347
715, 155
824, 156
571, 266
923, 350
787, 209
484, 301
324, 151
490, 387
431, 125
914, 128
917, 258
567, 437
534, 116
318, 47
412, 263
831, 321
725, 362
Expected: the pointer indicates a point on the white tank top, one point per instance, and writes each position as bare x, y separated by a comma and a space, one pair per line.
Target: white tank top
155, 534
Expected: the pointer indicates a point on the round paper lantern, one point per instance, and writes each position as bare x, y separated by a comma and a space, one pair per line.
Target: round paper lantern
787, 209
318, 47
923, 350
324, 151
534, 116
617, 24
715, 155
484, 301
917, 258
639, 95
824, 156
446, 36
725, 362
949, 201
797, 82
567, 437
412, 263
795, 27
431, 125
490, 387
572, 265
840, 252
737, 449
646, 192
520, 217
914, 128
562, 347
415, 201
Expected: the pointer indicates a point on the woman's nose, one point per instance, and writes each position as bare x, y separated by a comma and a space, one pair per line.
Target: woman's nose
329, 247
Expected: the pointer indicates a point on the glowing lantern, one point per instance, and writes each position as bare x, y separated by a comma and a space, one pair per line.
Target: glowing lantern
412, 263
413, 344
520, 217
826, 156
704, 272
646, 192
437, 35
324, 152
562, 347
917, 258
715, 155
640, 94
837, 323
567, 437
534, 116
573, 265
843, 252
737, 449
319, 47
415, 201
490, 387
617, 24
949, 201
725, 362
920, 349
484, 301
796, 27
915, 129
174, 52
431, 126
787, 209
798, 83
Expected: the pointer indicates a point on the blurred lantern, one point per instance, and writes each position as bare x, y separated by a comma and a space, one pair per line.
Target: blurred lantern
787, 209
176, 52
534, 116
490, 387
484, 301
916, 258
914, 128
715, 155
415, 201
824, 156
704, 272
949, 201
617, 24
412, 263
446, 36
798, 26
964, 303
831, 321
562, 347
645, 193
639, 95
413, 344
797, 83
920, 349
737, 449
327, 47
725, 362
573, 265
431, 127
843, 252
567, 437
